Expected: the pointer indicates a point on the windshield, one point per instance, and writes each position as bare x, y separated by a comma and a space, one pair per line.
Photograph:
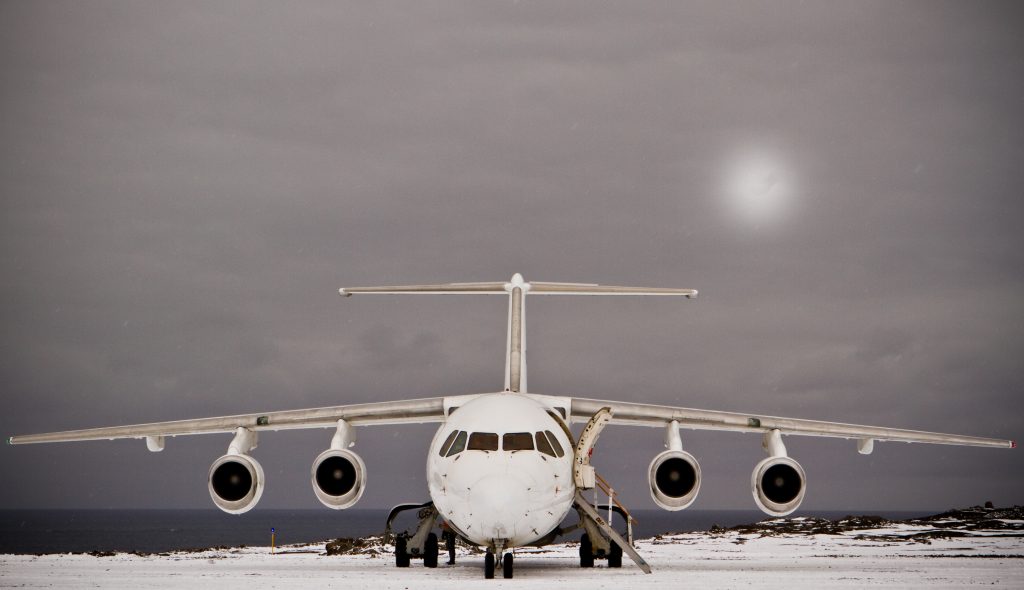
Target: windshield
483, 441
517, 441
459, 445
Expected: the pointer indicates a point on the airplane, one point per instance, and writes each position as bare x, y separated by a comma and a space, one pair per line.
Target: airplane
504, 468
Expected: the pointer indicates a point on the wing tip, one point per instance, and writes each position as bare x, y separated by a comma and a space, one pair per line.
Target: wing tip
1013, 444
343, 292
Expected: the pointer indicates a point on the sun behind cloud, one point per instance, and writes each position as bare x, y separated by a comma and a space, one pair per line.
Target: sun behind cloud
759, 187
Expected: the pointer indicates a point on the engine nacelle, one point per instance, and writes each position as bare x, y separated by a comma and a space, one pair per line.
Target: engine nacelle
236, 483
674, 478
778, 484
339, 478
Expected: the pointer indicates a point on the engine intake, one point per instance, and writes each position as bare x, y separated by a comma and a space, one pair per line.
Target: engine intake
339, 478
674, 478
236, 483
778, 485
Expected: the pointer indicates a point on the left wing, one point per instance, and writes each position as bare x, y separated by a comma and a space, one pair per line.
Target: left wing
396, 412
654, 415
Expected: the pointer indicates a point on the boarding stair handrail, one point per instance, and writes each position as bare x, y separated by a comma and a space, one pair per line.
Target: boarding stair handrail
604, 486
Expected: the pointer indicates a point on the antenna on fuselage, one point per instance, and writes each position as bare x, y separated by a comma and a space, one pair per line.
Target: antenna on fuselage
516, 289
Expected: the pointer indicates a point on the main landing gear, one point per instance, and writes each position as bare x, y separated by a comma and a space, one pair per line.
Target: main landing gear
588, 553
422, 544
429, 552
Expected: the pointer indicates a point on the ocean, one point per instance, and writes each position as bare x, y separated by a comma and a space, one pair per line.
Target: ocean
73, 531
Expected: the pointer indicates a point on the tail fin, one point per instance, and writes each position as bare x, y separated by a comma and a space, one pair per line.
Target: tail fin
517, 289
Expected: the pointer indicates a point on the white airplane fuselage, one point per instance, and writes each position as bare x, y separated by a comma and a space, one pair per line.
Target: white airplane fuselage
500, 470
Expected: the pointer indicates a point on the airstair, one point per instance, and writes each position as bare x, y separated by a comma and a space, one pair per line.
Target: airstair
600, 539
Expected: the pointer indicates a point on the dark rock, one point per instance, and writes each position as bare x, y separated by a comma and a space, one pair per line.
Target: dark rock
345, 546
954, 523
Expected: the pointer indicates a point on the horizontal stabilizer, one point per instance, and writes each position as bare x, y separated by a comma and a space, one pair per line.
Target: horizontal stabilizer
505, 288
444, 289
584, 289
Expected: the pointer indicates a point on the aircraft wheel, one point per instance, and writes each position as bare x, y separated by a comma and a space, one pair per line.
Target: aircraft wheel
615, 556
430, 551
506, 565
489, 566
586, 551
401, 557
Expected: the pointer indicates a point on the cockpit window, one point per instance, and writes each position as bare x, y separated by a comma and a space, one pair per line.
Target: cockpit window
459, 445
517, 441
483, 441
443, 451
554, 444
543, 445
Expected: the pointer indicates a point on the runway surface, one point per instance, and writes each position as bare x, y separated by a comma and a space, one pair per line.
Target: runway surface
891, 555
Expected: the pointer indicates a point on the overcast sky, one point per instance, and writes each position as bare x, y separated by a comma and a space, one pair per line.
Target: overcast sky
185, 186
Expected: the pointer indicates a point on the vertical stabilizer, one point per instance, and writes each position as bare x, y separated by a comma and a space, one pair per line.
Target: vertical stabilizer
515, 350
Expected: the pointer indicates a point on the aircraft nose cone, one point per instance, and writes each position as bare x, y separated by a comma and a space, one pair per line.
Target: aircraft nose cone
498, 503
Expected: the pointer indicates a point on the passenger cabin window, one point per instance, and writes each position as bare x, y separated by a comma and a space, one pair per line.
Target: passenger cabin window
517, 441
443, 451
459, 445
543, 445
483, 441
554, 444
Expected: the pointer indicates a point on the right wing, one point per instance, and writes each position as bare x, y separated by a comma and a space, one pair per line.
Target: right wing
694, 419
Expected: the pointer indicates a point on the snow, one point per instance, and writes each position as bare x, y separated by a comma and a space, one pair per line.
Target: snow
712, 560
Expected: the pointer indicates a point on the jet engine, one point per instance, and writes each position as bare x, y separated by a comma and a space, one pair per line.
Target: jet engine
339, 478
778, 484
674, 477
236, 483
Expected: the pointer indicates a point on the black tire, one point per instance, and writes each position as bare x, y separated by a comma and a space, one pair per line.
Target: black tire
489, 566
586, 551
506, 565
430, 551
615, 555
401, 557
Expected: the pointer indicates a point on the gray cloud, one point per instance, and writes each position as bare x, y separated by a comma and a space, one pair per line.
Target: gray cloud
185, 187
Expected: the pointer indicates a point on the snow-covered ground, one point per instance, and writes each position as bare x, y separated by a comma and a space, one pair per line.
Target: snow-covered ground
872, 557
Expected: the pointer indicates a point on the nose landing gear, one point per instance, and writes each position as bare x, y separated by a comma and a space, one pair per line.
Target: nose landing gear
507, 562
506, 565
489, 565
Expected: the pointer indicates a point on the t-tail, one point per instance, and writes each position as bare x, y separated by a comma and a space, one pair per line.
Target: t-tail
516, 289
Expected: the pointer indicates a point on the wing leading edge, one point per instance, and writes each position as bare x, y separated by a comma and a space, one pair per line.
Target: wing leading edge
433, 410
654, 415
396, 412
